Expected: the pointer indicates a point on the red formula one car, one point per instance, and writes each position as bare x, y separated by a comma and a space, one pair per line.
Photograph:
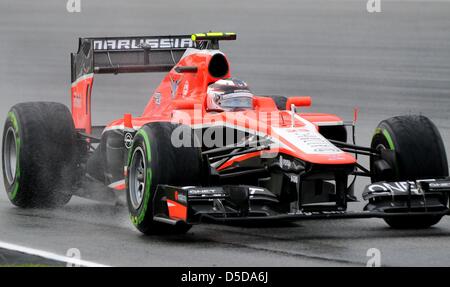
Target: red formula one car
207, 149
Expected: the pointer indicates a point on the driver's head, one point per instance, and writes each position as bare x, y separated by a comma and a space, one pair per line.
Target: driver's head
229, 95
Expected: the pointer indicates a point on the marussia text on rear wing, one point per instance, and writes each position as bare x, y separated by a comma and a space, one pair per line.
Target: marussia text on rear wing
128, 54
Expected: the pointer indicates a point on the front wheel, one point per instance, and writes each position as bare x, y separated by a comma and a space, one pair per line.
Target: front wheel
155, 160
407, 222
419, 153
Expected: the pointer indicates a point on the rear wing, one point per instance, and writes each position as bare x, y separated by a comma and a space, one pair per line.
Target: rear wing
115, 55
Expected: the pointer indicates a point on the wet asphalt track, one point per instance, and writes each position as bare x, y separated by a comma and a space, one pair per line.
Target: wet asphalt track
390, 63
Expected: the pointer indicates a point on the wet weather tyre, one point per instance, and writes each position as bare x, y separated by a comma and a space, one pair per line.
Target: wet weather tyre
419, 154
38, 154
154, 160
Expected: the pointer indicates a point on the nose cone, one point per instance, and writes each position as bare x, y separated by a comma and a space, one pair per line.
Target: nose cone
309, 145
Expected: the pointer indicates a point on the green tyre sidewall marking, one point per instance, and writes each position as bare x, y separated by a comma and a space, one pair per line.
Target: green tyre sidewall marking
15, 187
389, 139
138, 219
387, 136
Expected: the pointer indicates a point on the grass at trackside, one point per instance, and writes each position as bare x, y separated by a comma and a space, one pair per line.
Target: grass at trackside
10, 258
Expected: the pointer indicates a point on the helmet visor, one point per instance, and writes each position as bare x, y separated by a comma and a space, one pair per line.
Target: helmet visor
239, 100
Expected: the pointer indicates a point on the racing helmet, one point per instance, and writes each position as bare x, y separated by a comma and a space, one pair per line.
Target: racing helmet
229, 95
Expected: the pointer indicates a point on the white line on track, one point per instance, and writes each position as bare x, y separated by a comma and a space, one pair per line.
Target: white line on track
49, 255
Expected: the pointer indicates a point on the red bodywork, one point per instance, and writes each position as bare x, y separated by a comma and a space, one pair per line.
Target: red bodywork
183, 95
294, 171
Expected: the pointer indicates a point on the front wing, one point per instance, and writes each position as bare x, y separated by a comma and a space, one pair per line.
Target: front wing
243, 203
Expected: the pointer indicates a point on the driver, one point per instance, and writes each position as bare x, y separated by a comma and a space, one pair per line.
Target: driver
229, 95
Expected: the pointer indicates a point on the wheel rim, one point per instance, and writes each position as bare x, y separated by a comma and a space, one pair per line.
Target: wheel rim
137, 178
10, 156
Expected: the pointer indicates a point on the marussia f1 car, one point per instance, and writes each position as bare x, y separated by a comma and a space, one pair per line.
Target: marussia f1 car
208, 150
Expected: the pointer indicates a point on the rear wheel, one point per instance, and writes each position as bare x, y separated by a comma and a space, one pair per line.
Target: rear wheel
419, 153
38, 154
154, 160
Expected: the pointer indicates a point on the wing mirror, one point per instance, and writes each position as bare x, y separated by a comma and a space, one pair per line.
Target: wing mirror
303, 101
294, 102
